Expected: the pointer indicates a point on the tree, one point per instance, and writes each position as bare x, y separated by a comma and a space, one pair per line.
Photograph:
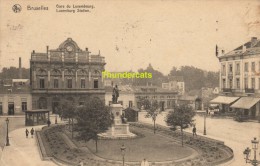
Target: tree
93, 118
152, 112
145, 103
13, 73
182, 116
68, 110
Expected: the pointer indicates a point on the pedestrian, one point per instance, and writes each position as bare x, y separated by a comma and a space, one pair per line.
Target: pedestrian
49, 123
194, 131
144, 162
32, 132
26, 133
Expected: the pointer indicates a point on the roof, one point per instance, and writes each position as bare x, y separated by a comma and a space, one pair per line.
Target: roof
37, 110
152, 89
251, 47
131, 108
20, 80
245, 102
224, 100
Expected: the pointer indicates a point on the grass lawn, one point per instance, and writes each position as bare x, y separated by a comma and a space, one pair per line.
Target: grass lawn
153, 147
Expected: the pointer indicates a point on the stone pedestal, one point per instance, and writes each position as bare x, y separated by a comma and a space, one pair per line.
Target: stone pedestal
118, 129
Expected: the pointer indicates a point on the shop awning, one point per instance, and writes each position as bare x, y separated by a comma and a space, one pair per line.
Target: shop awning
224, 100
245, 102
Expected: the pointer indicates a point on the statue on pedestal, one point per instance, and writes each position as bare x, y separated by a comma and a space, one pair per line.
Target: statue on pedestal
115, 94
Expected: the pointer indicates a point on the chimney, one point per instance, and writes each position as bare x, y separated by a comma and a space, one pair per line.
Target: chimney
223, 52
253, 41
33, 52
244, 48
47, 48
86, 48
20, 68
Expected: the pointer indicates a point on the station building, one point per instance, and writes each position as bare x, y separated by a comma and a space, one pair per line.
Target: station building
65, 73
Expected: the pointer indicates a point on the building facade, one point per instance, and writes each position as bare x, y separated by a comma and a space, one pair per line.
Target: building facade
65, 73
175, 83
240, 79
15, 98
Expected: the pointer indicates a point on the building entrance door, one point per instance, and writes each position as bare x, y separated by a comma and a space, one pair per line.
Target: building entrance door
10, 108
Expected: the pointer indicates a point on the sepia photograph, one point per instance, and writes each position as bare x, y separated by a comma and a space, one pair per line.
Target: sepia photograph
129, 83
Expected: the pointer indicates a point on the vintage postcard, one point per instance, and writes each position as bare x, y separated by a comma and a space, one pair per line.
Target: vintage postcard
129, 82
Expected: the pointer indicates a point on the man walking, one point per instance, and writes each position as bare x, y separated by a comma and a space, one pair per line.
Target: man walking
32, 132
26, 133
194, 131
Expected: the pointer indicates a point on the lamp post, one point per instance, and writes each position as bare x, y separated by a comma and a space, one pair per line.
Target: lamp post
205, 115
123, 148
7, 137
247, 152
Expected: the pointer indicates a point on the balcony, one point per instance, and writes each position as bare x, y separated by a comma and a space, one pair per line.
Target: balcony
249, 90
227, 90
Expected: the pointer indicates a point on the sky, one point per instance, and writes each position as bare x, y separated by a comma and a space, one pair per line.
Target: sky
131, 34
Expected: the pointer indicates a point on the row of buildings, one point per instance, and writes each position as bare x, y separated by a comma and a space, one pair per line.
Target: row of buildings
70, 73
239, 80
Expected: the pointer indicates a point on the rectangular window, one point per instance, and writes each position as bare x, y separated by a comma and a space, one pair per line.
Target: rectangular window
82, 83
237, 69
230, 68
42, 83
223, 70
95, 83
253, 83
230, 83
246, 83
246, 67
253, 66
224, 83
69, 83
238, 83
130, 104
56, 83
24, 106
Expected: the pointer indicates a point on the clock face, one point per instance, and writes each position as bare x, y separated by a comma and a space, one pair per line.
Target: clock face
69, 48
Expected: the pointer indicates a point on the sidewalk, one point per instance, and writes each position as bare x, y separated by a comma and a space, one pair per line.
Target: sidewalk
23, 151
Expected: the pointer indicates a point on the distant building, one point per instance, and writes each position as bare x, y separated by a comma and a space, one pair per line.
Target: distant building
240, 80
194, 102
175, 83
15, 97
130, 96
65, 73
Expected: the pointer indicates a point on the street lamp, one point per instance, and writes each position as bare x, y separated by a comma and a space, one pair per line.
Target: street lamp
123, 148
205, 115
7, 138
247, 152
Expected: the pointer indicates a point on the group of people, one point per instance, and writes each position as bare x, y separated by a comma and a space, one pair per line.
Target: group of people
27, 132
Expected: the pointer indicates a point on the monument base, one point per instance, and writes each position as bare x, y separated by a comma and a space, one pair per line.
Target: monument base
118, 130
